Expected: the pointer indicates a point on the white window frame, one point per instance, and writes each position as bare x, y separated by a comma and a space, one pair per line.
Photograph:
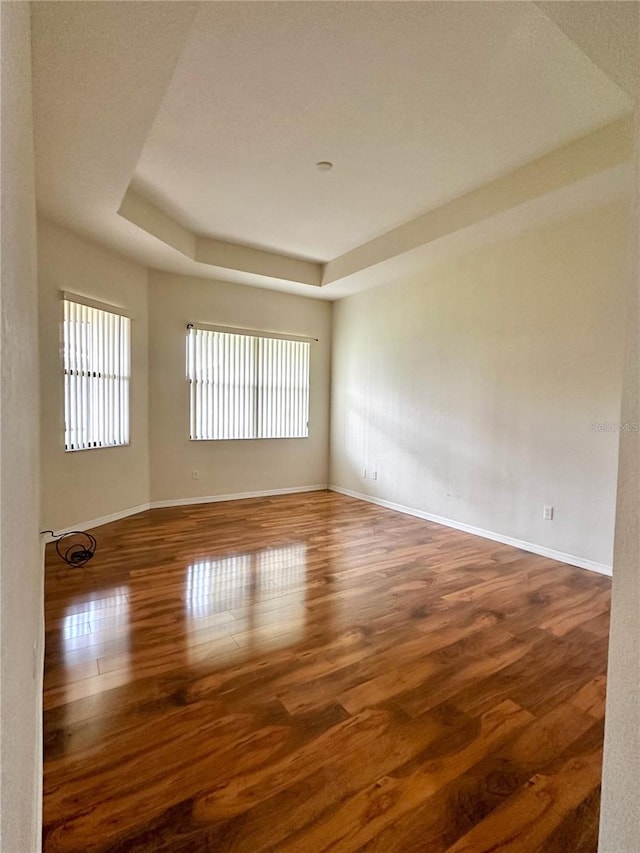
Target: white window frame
246, 384
96, 368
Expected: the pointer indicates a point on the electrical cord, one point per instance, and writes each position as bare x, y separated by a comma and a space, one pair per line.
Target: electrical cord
78, 552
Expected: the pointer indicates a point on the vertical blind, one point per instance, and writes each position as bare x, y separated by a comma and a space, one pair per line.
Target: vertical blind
97, 371
246, 386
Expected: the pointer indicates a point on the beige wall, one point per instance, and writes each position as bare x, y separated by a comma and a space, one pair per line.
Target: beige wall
620, 819
471, 388
229, 467
88, 484
21, 569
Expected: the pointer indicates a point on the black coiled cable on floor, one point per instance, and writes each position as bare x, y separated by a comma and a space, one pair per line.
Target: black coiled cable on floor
75, 548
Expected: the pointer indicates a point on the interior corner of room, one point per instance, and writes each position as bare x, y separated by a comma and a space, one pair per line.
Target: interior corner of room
509, 405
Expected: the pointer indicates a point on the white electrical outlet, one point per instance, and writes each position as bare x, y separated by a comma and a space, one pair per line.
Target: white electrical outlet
364, 473
547, 513
195, 474
374, 475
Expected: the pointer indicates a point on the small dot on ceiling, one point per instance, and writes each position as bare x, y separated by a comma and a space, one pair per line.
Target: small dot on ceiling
324, 166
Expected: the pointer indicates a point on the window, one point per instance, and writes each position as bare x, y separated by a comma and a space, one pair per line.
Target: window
245, 385
96, 375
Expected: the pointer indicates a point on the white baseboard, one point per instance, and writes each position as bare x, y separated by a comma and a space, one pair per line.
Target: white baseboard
541, 550
97, 522
237, 496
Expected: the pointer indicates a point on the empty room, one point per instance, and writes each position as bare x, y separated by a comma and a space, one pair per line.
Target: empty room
319, 431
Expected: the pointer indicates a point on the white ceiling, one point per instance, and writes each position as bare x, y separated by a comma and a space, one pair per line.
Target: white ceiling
216, 112
414, 103
606, 31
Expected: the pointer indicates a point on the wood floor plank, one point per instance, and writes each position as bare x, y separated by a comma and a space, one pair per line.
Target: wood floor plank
534, 813
310, 672
387, 800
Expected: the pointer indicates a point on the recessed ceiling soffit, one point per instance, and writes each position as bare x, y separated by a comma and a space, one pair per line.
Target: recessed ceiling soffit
604, 150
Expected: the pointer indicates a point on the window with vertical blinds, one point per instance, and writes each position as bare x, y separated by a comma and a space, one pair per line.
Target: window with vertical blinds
247, 386
97, 372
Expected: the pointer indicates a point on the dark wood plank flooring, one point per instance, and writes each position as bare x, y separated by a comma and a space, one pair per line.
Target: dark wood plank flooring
310, 672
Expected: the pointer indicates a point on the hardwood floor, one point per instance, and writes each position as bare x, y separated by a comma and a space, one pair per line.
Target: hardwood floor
310, 672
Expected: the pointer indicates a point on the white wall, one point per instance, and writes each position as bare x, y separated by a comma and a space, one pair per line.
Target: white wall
21, 571
620, 818
85, 485
229, 467
471, 388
